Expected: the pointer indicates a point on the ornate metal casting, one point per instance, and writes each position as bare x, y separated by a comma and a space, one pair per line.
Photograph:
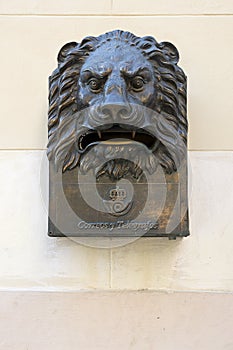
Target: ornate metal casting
117, 138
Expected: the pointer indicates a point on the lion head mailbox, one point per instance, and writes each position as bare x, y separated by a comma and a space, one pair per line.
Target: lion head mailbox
117, 139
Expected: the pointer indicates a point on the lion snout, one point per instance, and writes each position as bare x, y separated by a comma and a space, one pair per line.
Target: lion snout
116, 111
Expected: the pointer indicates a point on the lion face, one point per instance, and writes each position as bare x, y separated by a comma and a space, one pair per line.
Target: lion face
114, 75
115, 88
125, 95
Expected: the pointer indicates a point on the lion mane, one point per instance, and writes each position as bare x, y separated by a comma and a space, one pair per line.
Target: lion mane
170, 98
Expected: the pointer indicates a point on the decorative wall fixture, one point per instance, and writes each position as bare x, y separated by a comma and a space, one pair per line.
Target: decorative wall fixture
117, 139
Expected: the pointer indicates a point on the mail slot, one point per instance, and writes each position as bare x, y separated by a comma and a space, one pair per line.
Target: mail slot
117, 139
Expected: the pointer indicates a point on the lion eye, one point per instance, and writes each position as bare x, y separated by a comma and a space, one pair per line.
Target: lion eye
137, 83
94, 84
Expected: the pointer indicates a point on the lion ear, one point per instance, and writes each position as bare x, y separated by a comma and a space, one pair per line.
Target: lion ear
64, 50
171, 51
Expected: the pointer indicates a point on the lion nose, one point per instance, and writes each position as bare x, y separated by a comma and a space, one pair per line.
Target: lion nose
115, 111
115, 106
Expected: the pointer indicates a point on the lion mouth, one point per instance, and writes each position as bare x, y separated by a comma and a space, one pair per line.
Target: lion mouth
116, 135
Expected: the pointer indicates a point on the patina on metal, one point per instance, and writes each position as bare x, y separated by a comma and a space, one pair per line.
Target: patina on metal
118, 131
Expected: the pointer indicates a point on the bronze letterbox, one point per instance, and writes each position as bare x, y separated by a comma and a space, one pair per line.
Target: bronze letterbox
117, 139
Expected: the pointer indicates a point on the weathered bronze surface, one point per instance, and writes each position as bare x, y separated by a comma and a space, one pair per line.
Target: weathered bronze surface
117, 138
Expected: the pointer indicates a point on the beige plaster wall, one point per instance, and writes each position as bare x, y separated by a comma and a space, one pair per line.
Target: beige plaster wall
114, 320
31, 44
196, 271
29, 259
